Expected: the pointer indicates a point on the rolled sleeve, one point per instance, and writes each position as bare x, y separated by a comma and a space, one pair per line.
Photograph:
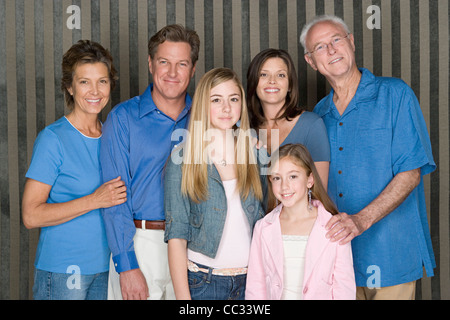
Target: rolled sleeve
176, 205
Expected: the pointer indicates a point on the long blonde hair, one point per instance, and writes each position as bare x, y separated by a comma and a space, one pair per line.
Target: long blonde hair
301, 157
194, 181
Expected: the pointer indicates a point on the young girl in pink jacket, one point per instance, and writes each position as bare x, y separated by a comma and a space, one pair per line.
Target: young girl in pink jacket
290, 257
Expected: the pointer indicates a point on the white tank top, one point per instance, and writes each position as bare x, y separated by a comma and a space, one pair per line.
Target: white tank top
234, 247
294, 249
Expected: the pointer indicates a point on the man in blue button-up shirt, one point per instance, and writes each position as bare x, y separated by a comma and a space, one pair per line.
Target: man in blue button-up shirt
137, 139
380, 149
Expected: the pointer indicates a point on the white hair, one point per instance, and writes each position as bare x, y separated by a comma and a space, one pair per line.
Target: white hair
316, 20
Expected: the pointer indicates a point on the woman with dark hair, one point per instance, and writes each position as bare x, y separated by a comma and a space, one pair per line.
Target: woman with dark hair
63, 192
273, 103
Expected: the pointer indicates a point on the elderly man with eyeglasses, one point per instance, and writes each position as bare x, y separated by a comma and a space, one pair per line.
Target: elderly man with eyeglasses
380, 150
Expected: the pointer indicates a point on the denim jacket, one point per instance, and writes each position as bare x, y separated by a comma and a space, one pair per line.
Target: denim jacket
201, 224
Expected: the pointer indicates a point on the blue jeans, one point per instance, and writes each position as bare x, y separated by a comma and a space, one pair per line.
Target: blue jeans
206, 286
66, 286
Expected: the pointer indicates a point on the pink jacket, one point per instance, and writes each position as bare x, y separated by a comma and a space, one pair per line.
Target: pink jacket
329, 270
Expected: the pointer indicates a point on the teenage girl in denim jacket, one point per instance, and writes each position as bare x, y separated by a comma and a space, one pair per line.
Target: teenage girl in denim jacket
213, 194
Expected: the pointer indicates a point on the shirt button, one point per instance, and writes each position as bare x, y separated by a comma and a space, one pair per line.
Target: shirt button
341, 124
340, 195
340, 171
340, 148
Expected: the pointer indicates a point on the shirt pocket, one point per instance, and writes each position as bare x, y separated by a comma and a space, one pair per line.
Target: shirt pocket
195, 217
373, 146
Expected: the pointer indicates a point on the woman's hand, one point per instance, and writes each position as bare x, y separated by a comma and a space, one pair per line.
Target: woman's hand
111, 193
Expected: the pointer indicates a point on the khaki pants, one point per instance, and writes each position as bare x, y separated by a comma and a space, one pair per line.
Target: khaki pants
151, 253
404, 291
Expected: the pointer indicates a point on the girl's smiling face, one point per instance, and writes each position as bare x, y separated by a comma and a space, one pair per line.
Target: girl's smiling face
290, 183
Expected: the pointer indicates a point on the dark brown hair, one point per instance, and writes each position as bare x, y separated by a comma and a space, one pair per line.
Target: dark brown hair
291, 108
84, 51
175, 33
301, 157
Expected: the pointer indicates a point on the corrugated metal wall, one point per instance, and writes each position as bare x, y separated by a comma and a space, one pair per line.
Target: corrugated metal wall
412, 43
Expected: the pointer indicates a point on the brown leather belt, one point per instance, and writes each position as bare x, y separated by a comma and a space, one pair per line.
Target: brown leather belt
151, 225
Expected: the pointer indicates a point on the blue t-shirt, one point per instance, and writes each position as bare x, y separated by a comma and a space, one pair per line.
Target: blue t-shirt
311, 132
69, 161
381, 133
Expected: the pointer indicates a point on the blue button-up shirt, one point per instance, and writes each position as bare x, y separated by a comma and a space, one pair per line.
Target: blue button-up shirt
135, 144
381, 133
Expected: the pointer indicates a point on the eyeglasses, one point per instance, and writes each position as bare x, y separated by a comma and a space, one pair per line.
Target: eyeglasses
323, 47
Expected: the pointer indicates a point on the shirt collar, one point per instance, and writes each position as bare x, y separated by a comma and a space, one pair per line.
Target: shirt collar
147, 105
365, 92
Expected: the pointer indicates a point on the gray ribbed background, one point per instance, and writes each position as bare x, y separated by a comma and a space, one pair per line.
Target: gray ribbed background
412, 43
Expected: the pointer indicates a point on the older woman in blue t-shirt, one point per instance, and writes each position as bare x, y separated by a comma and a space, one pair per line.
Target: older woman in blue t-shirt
63, 191
273, 103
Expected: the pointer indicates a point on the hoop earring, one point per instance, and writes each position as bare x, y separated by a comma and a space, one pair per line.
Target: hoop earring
309, 199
